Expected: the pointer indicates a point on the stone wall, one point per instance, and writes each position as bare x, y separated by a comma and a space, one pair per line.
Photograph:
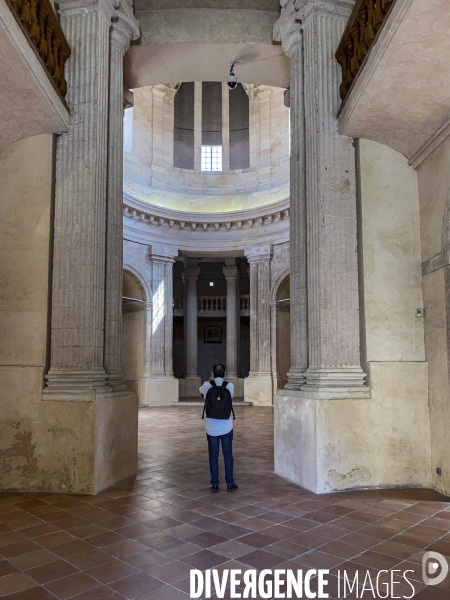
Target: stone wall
434, 188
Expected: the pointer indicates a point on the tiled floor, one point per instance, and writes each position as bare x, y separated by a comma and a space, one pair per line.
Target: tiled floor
140, 539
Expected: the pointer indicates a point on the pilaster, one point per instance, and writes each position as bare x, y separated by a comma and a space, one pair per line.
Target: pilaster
258, 385
159, 387
198, 94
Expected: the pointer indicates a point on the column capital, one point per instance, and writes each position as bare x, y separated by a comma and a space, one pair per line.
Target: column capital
162, 253
257, 253
231, 273
69, 8
192, 273
125, 27
339, 8
287, 29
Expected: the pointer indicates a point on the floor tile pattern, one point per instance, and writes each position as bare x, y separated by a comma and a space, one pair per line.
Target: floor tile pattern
141, 538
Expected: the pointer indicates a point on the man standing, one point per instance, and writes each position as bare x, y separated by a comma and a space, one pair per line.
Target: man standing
219, 431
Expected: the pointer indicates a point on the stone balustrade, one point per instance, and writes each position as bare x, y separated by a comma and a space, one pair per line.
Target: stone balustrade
366, 21
40, 25
212, 305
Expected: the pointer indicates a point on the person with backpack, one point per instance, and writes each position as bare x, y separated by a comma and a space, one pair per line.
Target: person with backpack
219, 425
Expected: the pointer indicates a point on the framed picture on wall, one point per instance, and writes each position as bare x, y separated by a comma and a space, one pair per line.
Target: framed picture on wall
213, 334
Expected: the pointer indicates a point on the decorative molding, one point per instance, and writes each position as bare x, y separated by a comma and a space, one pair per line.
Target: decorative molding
437, 262
178, 220
436, 140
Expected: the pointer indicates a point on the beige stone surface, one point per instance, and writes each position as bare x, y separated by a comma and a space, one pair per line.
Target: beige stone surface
75, 447
192, 385
158, 392
437, 356
391, 254
434, 186
258, 390
382, 441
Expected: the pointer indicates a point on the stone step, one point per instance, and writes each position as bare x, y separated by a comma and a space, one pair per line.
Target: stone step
199, 402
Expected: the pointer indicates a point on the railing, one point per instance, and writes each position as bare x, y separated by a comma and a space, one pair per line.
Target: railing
212, 303
40, 25
365, 23
216, 305
245, 302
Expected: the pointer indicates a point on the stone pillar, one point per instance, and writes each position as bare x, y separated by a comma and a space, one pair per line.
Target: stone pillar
258, 385
292, 45
122, 30
193, 382
333, 299
159, 387
198, 94
91, 415
325, 177
231, 273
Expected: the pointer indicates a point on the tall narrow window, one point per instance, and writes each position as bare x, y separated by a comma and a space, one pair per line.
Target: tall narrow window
212, 158
183, 134
239, 129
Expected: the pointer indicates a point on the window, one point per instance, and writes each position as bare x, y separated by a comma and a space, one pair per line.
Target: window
211, 158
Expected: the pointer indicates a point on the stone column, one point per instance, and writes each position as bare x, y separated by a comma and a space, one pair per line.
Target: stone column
160, 388
258, 385
231, 273
333, 297
306, 419
91, 415
123, 30
290, 34
193, 382
78, 296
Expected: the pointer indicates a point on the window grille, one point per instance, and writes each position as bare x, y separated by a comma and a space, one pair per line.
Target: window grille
211, 158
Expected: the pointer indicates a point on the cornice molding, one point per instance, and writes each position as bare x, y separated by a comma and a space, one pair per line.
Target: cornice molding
156, 216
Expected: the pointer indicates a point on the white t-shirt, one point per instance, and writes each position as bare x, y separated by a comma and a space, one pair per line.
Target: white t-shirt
218, 426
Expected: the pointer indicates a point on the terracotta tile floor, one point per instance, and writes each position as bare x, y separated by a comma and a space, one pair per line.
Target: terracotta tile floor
140, 539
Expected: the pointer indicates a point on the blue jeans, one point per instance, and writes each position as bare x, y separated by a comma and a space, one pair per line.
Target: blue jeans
227, 450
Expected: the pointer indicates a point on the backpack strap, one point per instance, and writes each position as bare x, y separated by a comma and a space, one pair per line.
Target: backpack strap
213, 384
224, 385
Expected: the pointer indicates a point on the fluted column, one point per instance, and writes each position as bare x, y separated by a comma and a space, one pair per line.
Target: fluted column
78, 295
231, 273
258, 385
333, 297
191, 275
159, 387
290, 34
123, 30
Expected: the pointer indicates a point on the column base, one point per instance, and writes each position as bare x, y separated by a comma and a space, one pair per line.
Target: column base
296, 378
258, 389
158, 391
76, 384
115, 381
192, 387
348, 443
85, 446
328, 383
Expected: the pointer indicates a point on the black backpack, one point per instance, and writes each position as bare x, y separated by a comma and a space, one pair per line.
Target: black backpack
218, 403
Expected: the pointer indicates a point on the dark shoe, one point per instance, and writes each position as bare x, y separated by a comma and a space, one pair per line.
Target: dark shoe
214, 489
231, 488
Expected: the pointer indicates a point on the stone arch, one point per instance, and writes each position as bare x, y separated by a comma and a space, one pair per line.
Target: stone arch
140, 281
276, 285
278, 374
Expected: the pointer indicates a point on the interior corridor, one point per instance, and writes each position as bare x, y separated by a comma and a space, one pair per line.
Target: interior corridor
140, 538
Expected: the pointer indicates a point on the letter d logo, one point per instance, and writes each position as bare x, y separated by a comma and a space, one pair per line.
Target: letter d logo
431, 563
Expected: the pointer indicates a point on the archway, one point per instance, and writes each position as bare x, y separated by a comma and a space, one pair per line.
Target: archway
281, 331
133, 330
